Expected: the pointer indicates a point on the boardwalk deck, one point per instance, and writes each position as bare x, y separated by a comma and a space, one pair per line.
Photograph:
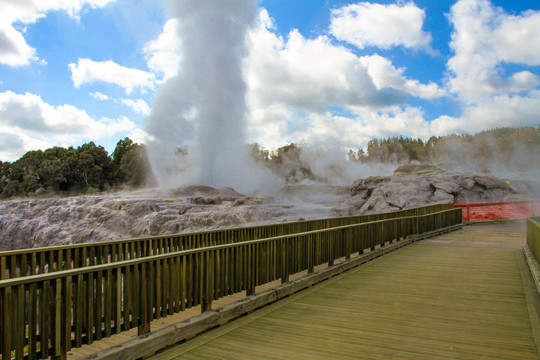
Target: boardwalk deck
460, 295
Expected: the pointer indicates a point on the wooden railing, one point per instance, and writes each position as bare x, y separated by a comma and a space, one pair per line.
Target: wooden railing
27, 262
47, 314
474, 212
533, 237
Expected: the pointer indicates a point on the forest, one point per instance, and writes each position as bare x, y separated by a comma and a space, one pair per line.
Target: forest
89, 169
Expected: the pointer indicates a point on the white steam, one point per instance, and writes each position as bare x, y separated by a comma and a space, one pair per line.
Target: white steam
201, 110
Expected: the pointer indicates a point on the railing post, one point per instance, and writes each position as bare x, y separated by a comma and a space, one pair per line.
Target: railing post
206, 305
5, 339
144, 321
348, 239
57, 325
361, 236
206, 302
3, 274
330, 250
284, 262
312, 251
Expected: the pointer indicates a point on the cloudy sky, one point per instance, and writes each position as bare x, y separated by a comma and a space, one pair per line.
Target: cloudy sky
317, 71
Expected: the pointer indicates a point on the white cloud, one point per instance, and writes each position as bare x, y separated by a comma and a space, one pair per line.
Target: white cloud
385, 26
385, 75
14, 51
138, 105
164, 53
499, 111
485, 41
365, 125
313, 74
89, 71
485, 38
36, 124
99, 96
294, 83
10, 143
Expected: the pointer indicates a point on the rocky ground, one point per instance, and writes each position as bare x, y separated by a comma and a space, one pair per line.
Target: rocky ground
26, 223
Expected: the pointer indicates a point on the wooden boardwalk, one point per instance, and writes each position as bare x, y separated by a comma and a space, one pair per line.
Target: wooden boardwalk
462, 295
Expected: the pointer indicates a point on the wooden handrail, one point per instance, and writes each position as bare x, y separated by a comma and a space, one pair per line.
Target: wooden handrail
499, 210
48, 314
114, 265
25, 262
533, 237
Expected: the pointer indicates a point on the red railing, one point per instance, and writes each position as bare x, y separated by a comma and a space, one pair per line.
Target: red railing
499, 210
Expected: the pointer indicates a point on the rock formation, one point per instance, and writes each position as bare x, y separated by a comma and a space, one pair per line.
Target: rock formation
413, 186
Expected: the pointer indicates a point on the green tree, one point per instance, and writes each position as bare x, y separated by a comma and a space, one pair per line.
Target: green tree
123, 147
130, 163
54, 171
5, 167
25, 172
94, 167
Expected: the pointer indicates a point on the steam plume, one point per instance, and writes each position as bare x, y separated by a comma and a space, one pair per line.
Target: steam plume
202, 109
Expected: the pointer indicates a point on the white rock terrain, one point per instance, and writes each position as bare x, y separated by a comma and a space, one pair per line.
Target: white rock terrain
397, 192
26, 223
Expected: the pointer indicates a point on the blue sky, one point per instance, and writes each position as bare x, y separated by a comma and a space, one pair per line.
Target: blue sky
327, 73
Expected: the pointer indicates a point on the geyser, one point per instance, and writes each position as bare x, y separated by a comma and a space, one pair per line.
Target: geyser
202, 109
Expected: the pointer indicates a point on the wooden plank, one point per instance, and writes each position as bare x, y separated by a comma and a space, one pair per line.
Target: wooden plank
32, 318
67, 307
118, 301
166, 284
13, 266
159, 288
108, 303
98, 304
127, 297
144, 319
78, 309
134, 294
5, 340
19, 331
45, 316
151, 291
3, 267
57, 324
90, 303
176, 269
170, 273
23, 267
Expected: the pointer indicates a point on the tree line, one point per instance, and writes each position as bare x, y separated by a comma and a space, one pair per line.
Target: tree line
89, 169
502, 146
511, 149
86, 169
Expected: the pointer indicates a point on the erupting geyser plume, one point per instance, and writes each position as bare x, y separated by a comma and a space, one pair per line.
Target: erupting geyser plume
202, 109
